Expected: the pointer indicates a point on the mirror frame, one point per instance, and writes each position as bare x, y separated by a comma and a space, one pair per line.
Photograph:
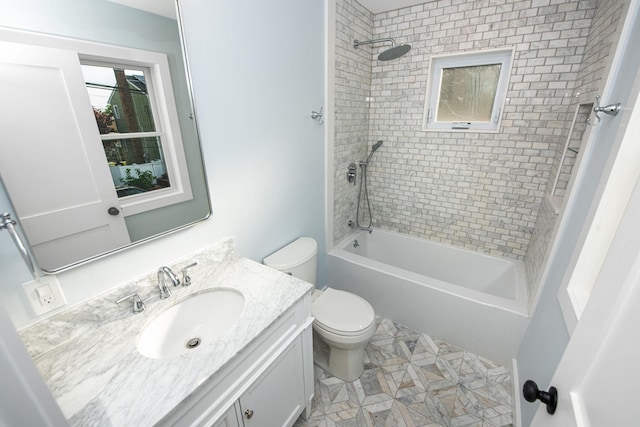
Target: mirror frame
43, 30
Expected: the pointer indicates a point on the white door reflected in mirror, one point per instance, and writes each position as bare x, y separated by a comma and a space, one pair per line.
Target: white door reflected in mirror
48, 121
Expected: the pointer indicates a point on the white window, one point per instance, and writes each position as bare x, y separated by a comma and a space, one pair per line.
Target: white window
132, 141
133, 104
466, 92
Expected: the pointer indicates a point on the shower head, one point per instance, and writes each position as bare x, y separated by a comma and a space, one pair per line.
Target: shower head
392, 53
373, 150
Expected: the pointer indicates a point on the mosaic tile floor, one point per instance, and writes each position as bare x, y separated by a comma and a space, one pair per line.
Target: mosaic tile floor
411, 379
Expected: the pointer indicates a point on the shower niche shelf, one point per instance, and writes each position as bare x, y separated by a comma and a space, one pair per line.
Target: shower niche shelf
569, 160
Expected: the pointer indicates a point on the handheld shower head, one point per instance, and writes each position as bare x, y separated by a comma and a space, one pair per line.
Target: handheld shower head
373, 150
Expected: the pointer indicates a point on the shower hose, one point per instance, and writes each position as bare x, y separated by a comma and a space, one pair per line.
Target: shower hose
363, 182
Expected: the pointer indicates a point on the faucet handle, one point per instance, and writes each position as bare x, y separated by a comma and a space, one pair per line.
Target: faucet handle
186, 279
138, 304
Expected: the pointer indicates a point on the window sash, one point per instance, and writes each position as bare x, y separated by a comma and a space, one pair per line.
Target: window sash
160, 90
440, 63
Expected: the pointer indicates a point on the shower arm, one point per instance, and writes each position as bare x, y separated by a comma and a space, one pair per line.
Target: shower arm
357, 43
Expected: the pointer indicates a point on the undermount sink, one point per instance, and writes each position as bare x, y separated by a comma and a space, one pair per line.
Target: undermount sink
197, 320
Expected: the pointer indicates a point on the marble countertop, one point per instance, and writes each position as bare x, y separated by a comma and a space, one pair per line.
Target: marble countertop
88, 356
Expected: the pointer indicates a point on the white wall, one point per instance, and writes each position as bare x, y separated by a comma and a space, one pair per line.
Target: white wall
257, 73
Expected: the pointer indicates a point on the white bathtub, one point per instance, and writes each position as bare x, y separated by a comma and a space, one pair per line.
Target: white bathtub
475, 301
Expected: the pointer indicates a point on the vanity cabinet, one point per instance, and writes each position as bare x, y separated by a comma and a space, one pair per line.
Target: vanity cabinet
268, 384
277, 397
274, 399
229, 419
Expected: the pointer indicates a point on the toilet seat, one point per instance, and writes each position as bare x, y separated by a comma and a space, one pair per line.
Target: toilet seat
342, 313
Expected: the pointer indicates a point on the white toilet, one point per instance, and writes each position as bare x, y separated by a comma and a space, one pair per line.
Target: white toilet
344, 321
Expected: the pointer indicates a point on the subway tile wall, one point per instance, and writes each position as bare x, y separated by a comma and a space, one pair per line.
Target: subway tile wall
481, 191
352, 91
484, 192
601, 42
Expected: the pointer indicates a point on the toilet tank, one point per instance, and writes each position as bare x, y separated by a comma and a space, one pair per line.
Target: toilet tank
299, 258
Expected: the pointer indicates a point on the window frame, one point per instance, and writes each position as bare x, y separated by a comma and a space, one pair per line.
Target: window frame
437, 63
163, 106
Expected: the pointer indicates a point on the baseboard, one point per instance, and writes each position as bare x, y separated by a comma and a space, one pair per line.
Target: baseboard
515, 407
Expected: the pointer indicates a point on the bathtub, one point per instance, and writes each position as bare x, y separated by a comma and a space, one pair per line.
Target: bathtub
472, 300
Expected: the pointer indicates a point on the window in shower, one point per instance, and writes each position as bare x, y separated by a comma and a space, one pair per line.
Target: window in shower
466, 92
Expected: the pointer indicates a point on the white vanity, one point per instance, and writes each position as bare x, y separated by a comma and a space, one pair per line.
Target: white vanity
256, 372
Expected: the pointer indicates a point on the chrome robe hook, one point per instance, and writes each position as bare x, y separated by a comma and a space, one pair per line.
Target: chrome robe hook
611, 110
318, 116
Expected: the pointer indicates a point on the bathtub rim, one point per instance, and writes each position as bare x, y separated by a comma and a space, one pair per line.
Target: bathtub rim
519, 305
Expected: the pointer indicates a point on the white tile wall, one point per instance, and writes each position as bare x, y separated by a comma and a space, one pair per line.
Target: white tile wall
480, 191
352, 89
603, 35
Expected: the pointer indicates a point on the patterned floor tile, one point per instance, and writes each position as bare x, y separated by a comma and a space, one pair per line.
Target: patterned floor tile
413, 380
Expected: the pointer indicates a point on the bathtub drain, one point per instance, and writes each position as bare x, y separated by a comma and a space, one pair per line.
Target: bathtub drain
193, 343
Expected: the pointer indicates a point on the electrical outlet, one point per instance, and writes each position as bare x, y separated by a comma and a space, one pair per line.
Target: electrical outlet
44, 294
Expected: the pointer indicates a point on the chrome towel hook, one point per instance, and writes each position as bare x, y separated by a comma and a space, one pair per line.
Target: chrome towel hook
318, 116
611, 110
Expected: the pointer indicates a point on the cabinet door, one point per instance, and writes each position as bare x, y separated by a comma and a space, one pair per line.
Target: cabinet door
276, 398
229, 419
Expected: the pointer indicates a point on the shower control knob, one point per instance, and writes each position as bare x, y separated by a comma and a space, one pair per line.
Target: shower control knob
531, 392
351, 173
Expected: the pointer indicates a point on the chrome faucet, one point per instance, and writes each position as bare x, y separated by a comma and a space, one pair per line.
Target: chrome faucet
162, 281
138, 304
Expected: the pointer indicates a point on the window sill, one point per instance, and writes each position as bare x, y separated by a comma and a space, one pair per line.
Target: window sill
449, 130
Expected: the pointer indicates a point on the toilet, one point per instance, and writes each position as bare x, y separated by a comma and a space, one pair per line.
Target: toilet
345, 322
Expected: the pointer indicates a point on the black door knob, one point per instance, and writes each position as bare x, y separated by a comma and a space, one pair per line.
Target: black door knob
113, 211
549, 398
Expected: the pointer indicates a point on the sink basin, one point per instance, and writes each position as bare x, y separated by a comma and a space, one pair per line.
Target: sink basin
199, 319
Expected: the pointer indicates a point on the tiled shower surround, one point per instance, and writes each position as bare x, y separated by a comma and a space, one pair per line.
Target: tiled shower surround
482, 191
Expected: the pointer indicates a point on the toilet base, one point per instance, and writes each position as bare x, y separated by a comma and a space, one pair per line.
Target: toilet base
346, 364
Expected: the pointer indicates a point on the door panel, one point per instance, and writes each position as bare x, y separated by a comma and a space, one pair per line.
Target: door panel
597, 377
46, 110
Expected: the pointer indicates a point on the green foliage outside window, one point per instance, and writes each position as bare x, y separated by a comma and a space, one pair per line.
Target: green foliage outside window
143, 180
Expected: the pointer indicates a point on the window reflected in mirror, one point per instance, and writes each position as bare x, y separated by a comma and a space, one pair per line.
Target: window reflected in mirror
124, 107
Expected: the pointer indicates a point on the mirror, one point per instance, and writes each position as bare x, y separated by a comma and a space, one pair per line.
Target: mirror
169, 170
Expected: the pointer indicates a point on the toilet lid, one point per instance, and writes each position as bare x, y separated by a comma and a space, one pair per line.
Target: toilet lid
342, 312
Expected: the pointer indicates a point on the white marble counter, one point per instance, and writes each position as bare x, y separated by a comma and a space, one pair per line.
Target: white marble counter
88, 356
